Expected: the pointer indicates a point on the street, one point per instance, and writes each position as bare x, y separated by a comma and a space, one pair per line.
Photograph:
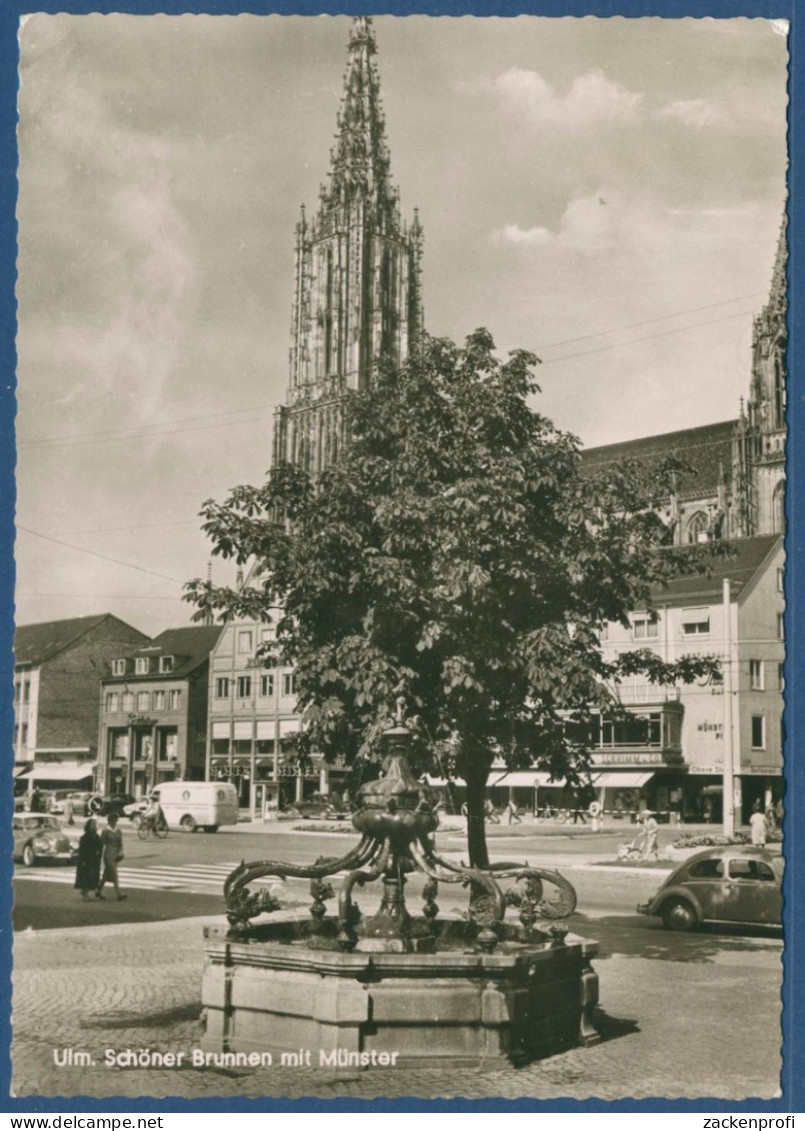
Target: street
80, 981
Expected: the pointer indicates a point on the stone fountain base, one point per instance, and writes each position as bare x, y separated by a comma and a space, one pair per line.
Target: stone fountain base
444, 1004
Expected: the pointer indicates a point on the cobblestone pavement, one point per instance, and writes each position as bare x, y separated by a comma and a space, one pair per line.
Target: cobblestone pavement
703, 1023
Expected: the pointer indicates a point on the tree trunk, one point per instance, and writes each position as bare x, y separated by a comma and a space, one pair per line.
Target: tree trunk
475, 777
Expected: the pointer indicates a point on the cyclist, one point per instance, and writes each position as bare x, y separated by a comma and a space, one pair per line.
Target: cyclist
153, 815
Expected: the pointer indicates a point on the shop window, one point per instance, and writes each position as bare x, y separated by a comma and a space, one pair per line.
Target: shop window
756, 675
696, 622
244, 686
644, 627
220, 746
758, 732
267, 684
222, 688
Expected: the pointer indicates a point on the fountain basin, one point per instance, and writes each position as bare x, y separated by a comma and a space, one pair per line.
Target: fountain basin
444, 1003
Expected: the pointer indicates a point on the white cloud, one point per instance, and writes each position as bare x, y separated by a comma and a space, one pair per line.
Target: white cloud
696, 112
592, 100
520, 237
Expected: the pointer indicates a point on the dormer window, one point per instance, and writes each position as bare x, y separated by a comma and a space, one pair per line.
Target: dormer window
118, 667
166, 663
141, 665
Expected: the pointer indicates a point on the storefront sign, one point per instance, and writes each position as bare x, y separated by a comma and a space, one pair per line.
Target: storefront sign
716, 729
141, 721
636, 759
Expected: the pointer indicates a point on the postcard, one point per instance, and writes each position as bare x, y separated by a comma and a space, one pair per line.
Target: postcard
399, 655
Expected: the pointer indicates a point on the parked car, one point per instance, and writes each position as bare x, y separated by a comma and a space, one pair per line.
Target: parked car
728, 884
323, 805
112, 803
39, 836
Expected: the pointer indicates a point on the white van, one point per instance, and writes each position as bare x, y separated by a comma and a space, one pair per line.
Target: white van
190, 805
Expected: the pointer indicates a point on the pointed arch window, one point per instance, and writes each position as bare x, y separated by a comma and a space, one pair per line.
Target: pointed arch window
778, 508
698, 526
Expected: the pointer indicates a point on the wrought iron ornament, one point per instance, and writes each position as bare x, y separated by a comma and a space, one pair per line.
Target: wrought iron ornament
398, 822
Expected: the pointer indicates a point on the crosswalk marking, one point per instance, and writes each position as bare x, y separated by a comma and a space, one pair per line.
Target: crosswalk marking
202, 878
181, 877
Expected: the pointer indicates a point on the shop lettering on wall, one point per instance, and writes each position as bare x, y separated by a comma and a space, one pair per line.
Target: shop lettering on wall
626, 759
141, 721
716, 729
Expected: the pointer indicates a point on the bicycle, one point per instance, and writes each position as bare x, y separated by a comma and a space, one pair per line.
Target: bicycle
149, 826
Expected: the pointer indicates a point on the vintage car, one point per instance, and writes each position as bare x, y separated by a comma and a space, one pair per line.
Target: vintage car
730, 884
326, 806
39, 836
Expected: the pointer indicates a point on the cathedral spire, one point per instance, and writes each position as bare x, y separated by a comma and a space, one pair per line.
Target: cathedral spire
357, 297
360, 159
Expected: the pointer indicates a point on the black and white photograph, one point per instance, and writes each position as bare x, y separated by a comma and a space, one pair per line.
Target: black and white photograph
400, 610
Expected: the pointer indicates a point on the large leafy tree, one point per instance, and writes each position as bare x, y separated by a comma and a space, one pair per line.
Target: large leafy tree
457, 556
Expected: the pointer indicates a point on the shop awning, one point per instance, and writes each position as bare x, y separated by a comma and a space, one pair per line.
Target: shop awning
519, 779
621, 781
61, 773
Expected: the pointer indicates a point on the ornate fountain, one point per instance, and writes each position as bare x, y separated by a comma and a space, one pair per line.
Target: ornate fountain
415, 988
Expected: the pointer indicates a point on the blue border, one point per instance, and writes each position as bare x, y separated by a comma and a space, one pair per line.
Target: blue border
793, 1083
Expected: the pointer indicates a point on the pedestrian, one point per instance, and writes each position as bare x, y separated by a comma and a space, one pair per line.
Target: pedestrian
88, 866
651, 832
708, 810
757, 826
37, 801
68, 811
778, 810
112, 839
513, 816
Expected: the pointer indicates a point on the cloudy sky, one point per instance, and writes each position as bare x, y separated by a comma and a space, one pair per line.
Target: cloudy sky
605, 192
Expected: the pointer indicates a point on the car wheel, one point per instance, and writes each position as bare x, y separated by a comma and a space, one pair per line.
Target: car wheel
28, 856
188, 825
210, 828
678, 915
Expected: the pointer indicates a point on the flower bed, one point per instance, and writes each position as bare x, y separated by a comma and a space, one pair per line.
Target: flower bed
712, 840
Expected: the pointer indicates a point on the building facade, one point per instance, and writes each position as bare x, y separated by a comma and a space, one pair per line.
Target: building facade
57, 666
668, 751
153, 711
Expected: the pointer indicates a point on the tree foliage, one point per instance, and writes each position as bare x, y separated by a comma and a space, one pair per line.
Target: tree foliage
456, 555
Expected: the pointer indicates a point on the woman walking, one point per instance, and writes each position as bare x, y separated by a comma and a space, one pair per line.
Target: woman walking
112, 839
88, 866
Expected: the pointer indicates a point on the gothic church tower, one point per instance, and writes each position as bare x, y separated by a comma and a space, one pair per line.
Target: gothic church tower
357, 290
759, 445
